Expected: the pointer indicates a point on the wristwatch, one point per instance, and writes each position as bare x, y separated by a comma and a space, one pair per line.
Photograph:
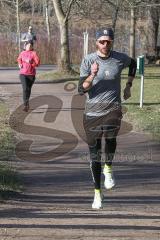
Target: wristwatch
129, 83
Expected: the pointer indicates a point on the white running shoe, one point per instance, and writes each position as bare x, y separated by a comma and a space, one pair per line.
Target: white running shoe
109, 181
97, 202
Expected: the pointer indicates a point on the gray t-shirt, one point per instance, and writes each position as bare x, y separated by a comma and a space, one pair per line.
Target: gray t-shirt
105, 93
29, 36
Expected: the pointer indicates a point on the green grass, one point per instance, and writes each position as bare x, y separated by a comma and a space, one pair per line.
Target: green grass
6, 143
9, 180
147, 118
58, 76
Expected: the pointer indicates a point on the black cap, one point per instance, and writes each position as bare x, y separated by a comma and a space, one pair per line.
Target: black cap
29, 41
105, 32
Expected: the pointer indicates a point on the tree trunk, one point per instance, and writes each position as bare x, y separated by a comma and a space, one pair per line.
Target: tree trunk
18, 25
64, 63
152, 31
33, 8
65, 54
114, 20
47, 21
132, 33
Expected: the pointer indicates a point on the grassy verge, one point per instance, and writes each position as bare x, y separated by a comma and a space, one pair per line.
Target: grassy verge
147, 118
57, 76
9, 180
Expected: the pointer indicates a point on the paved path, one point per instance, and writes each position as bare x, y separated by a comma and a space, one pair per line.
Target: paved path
56, 202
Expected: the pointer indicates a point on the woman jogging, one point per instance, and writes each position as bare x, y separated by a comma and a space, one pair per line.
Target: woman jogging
28, 61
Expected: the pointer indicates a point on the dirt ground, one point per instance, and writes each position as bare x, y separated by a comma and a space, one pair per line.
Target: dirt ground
58, 190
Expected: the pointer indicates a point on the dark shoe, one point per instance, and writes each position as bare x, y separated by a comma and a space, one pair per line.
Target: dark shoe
26, 108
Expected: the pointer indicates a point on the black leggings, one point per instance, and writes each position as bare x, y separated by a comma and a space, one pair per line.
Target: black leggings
27, 82
106, 126
96, 158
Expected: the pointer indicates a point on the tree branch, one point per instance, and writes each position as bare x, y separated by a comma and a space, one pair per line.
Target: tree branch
111, 3
13, 2
69, 9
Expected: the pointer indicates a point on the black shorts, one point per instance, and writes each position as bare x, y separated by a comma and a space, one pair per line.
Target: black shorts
107, 126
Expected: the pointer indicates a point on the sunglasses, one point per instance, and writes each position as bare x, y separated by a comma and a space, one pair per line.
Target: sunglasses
105, 41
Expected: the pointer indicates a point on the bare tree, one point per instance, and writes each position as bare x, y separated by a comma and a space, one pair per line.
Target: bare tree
18, 24
152, 25
152, 29
46, 5
114, 11
131, 5
62, 18
16, 4
132, 33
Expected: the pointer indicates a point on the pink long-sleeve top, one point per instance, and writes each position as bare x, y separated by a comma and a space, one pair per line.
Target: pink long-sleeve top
28, 61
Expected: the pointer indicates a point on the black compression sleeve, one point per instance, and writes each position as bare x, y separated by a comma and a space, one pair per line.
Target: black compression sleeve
81, 90
132, 68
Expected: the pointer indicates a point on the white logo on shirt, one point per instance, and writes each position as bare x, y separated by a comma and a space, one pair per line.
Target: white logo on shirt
107, 73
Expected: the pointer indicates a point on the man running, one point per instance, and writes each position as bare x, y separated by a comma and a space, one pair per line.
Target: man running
28, 36
100, 77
